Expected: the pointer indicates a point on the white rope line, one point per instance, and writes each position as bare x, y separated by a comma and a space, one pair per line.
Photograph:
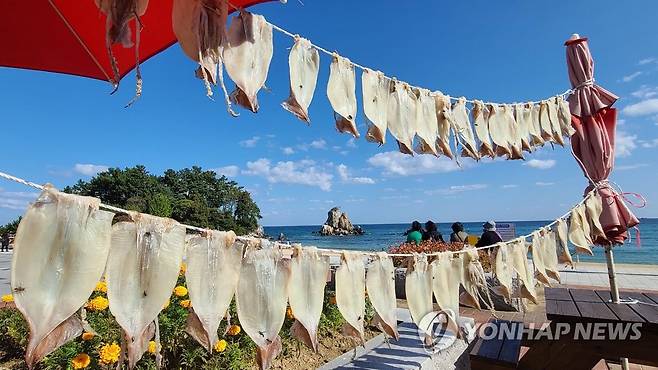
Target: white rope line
324, 251
359, 66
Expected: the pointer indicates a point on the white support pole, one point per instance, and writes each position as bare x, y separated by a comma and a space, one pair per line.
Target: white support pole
614, 291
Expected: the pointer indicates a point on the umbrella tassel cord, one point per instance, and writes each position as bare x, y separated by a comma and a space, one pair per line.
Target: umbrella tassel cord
138, 70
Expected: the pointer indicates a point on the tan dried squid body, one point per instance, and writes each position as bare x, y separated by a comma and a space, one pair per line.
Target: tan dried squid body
427, 126
376, 91
418, 288
142, 270
593, 209
213, 270
549, 245
545, 122
60, 250
261, 300
200, 28
247, 56
401, 116
447, 274
380, 284
480, 115
579, 230
499, 130
350, 294
539, 258
304, 64
308, 278
464, 130
534, 127
562, 235
513, 132
446, 123
502, 268
473, 277
518, 252
564, 115
341, 91
555, 121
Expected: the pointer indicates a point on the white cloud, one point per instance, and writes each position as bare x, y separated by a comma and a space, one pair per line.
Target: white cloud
541, 183
16, 200
646, 61
645, 92
509, 186
288, 150
650, 144
631, 76
89, 169
344, 174
644, 108
630, 167
396, 163
318, 144
351, 143
542, 164
250, 143
228, 171
624, 144
455, 189
289, 172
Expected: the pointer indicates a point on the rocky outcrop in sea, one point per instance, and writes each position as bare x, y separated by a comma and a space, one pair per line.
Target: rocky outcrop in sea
339, 224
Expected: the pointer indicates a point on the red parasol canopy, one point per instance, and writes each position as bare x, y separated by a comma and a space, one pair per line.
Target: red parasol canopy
68, 36
594, 141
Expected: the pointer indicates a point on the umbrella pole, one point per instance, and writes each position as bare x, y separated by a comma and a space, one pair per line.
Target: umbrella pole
614, 291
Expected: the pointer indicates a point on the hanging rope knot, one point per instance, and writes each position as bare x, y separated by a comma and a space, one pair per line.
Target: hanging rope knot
589, 82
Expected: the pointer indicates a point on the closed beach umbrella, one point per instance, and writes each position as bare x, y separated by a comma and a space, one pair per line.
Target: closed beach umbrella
68, 36
593, 144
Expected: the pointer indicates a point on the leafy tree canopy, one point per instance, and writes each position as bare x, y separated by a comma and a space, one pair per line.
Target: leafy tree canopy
191, 195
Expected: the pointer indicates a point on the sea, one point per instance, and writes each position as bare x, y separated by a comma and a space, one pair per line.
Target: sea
379, 237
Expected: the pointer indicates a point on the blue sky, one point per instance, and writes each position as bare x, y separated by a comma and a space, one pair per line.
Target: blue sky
59, 128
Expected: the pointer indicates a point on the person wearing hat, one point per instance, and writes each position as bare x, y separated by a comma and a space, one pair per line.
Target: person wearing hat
489, 236
458, 234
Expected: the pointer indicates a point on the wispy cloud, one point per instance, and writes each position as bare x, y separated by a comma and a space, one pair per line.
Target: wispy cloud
303, 172
541, 183
542, 164
631, 167
645, 92
250, 143
455, 189
396, 163
649, 144
351, 143
631, 76
509, 186
89, 169
345, 176
315, 144
16, 200
288, 150
228, 171
647, 61
643, 108
624, 144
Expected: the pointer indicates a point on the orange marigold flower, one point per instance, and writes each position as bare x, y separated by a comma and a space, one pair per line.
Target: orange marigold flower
98, 304
234, 330
7, 298
109, 353
183, 269
180, 291
289, 313
101, 286
87, 336
80, 361
220, 345
153, 347
185, 303
332, 299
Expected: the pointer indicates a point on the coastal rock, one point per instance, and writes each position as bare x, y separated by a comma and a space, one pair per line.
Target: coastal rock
339, 224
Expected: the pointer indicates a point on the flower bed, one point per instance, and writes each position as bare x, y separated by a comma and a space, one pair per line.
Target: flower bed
428, 246
101, 348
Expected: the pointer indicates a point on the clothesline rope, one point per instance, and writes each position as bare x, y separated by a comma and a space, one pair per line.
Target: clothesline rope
324, 251
359, 66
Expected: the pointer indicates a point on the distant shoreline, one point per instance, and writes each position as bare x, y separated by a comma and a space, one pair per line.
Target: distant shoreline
440, 222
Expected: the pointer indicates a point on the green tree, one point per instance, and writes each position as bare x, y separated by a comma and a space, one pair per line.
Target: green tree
10, 228
191, 195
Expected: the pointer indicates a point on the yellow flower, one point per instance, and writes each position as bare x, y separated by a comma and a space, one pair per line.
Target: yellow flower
220, 345
234, 330
180, 291
98, 304
101, 286
183, 269
109, 353
289, 313
152, 347
80, 361
87, 336
185, 303
7, 298
164, 307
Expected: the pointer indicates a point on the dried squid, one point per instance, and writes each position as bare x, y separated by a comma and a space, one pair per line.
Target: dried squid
561, 235
261, 300
593, 209
308, 277
341, 90
213, 269
380, 284
446, 123
480, 115
418, 288
538, 258
427, 125
142, 270
502, 268
401, 115
304, 64
351, 294
499, 130
579, 230
376, 91
247, 56
518, 252
463, 129
60, 250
